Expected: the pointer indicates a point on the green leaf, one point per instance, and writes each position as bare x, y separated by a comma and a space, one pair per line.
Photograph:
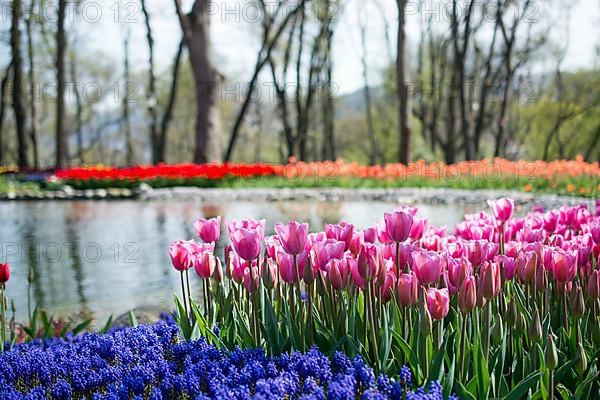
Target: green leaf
270, 328
132, 319
81, 327
463, 393
107, 325
409, 354
523, 387
482, 374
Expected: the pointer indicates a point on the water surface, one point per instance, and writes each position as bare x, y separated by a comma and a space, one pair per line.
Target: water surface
107, 257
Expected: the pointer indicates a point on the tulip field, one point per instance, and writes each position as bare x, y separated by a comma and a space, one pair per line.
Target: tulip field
566, 177
499, 306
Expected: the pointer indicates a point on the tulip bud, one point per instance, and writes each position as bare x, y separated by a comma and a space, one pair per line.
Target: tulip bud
511, 313
467, 295
218, 273
581, 363
498, 331
425, 321
308, 275
550, 354
593, 288
520, 323
535, 327
596, 331
13, 307
541, 279
267, 274
576, 302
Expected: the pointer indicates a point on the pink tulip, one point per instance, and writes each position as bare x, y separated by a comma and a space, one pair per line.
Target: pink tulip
526, 264
5, 272
458, 270
407, 289
205, 264
467, 295
356, 243
438, 303
246, 237
398, 225
382, 234
181, 254
292, 236
368, 262
508, 264
418, 228
322, 252
551, 221
287, 269
427, 265
370, 235
209, 230
502, 208
564, 265
387, 289
342, 232
272, 243
593, 288
251, 279
490, 280
337, 273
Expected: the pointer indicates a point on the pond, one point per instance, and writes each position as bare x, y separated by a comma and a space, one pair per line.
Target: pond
107, 257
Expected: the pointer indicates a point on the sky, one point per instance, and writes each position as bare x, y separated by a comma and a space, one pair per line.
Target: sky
236, 33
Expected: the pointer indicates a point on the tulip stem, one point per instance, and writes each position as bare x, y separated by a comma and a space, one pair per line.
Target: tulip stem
486, 327
183, 296
3, 299
551, 384
564, 306
462, 346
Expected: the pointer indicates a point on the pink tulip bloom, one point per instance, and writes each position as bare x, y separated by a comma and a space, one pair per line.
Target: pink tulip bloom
370, 235
593, 288
502, 208
382, 234
322, 252
205, 264
550, 221
251, 279
209, 230
238, 267
526, 264
292, 236
182, 255
564, 265
387, 289
342, 232
398, 225
418, 228
508, 264
272, 244
407, 287
368, 262
5, 272
246, 237
438, 303
337, 273
287, 270
457, 271
356, 243
467, 295
427, 265
490, 280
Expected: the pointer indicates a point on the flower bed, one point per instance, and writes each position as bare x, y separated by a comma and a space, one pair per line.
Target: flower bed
574, 177
153, 362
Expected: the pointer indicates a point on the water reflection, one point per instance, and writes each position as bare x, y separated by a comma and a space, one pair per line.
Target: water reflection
108, 257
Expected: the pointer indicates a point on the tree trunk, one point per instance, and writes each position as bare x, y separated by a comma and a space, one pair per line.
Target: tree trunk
196, 32
129, 156
374, 149
401, 87
164, 126
33, 100
17, 89
78, 111
329, 106
3, 86
152, 98
62, 152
